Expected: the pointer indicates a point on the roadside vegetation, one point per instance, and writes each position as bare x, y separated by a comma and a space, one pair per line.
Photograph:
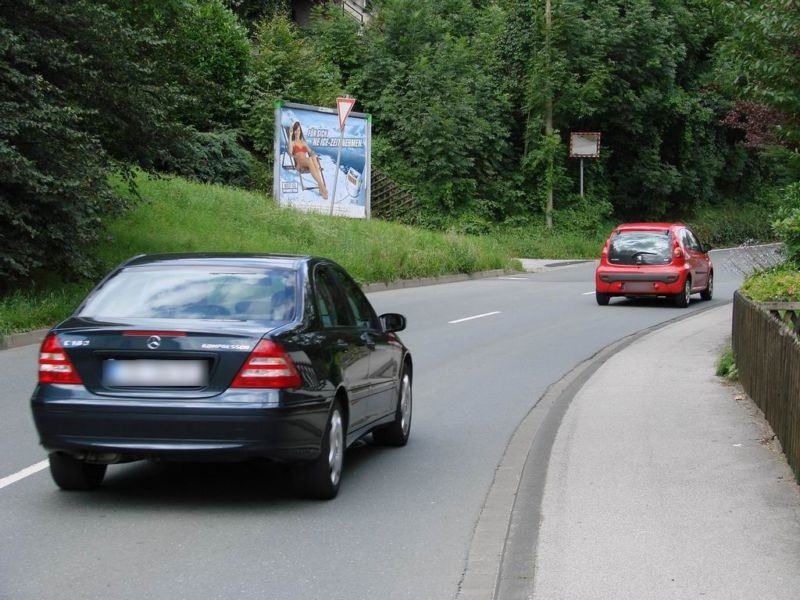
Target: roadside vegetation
176, 215
726, 365
781, 283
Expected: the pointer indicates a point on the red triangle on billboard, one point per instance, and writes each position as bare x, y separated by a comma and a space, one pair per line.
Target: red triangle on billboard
344, 106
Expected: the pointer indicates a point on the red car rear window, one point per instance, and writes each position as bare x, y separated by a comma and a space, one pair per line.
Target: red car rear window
640, 248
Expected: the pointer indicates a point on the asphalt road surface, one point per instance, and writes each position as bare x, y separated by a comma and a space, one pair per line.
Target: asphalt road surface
403, 521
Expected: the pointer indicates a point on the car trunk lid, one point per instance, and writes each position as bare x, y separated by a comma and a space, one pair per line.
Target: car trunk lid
132, 358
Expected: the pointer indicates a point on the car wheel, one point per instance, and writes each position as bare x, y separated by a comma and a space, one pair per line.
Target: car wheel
320, 479
397, 432
708, 293
602, 299
69, 473
682, 299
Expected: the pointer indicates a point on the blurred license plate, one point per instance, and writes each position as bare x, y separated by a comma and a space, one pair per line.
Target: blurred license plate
155, 373
638, 287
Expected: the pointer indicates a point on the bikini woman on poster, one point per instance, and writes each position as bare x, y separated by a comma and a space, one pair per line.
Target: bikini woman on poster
305, 159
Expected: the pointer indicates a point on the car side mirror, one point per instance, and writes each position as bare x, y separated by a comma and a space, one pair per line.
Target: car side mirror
393, 322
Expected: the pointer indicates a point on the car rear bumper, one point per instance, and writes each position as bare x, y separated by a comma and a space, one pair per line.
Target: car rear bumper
88, 425
617, 282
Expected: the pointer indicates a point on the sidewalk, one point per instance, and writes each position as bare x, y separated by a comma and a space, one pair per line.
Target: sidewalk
662, 483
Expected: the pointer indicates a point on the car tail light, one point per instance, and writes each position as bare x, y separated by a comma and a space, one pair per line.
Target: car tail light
677, 252
268, 366
54, 364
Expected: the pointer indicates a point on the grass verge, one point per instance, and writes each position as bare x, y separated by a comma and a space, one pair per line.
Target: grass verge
176, 215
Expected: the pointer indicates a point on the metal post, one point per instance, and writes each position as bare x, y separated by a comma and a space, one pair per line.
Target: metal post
548, 114
338, 162
581, 178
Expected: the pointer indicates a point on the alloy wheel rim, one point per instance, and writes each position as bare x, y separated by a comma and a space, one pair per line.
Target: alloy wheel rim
710, 284
687, 291
336, 447
405, 406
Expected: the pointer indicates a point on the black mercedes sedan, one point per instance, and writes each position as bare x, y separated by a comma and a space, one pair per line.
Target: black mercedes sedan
214, 357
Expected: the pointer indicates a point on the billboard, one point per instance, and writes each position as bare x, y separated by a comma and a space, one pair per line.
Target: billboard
306, 148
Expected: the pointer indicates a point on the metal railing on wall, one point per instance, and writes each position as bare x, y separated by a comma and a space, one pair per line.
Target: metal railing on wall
359, 10
766, 348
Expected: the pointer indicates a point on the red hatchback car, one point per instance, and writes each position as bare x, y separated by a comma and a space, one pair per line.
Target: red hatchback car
654, 259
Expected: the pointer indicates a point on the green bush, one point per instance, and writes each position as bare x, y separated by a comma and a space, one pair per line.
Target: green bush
210, 50
787, 224
583, 214
777, 284
216, 157
726, 365
734, 224
285, 66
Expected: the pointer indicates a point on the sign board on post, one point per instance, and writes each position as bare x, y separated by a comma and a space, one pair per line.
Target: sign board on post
343, 107
584, 144
308, 140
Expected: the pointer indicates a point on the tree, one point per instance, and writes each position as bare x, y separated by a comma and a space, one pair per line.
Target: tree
433, 78
77, 100
285, 66
639, 72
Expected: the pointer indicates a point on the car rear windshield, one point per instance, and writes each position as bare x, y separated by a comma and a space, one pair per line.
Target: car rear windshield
196, 293
640, 248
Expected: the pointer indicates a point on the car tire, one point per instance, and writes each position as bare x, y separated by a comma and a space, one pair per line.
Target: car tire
682, 300
602, 299
708, 293
71, 474
320, 479
398, 431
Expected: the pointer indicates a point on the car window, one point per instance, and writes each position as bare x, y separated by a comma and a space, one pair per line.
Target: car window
640, 248
202, 292
359, 305
331, 303
693, 241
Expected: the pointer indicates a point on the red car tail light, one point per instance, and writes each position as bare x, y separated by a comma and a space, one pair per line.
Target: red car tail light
268, 366
54, 364
677, 253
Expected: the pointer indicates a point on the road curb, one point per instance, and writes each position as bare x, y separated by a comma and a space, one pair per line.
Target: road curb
500, 560
15, 340
400, 284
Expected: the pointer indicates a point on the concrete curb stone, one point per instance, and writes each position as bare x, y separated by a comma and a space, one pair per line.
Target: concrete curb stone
425, 281
16, 340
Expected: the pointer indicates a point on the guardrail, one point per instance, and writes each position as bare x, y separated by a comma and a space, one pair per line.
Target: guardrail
766, 348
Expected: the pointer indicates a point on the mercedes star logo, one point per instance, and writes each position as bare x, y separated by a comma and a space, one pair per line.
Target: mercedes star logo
153, 342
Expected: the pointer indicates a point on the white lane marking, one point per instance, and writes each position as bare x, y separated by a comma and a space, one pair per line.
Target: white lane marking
489, 314
587, 293
513, 278
6, 481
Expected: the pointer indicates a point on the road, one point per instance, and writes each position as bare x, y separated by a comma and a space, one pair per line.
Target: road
403, 521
